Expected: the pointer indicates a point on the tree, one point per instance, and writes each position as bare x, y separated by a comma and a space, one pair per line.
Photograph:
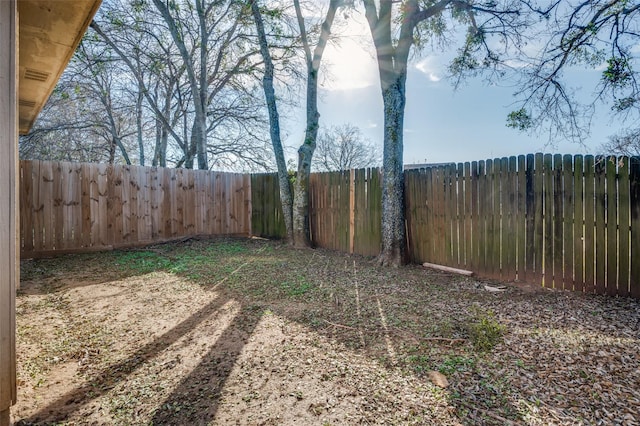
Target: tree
313, 60
344, 147
625, 143
597, 34
420, 21
274, 121
89, 116
193, 63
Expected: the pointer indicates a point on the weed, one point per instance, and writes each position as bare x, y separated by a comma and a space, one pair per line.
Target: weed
485, 332
296, 288
141, 262
420, 363
456, 363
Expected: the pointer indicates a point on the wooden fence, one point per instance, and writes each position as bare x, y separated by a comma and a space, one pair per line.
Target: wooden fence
344, 210
78, 207
568, 222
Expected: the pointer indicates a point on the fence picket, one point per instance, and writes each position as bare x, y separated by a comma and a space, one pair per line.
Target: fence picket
612, 225
589, 224
558, 277
600, 234
578, 223
623, 227
634, 201
568, 219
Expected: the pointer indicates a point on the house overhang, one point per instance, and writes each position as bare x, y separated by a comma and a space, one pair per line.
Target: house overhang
49, 31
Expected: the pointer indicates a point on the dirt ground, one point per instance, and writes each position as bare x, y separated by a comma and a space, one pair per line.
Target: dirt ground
251, 332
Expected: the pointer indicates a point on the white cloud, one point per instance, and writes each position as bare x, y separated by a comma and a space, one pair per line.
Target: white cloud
430, 67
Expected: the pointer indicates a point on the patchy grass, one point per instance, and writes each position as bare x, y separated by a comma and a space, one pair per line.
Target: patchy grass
251, 331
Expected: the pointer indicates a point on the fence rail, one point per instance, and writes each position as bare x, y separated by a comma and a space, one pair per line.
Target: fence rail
77, 206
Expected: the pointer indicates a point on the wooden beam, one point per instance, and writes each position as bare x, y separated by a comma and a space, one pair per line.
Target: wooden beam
8, 205
448, 269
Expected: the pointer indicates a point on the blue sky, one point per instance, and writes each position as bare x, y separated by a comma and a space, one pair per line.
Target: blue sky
441, 124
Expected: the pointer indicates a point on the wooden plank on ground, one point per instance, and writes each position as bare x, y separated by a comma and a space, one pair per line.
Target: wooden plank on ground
612, 226
624, 252
634, 203
600, 231
589, 223
578, 222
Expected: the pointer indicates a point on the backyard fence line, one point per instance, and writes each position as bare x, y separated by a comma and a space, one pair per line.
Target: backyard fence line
566, 222
66, 207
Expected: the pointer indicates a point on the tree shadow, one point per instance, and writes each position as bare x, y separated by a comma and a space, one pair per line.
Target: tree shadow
61, 408
197, 398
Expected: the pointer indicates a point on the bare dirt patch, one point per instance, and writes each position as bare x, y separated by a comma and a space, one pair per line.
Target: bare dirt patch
251, 332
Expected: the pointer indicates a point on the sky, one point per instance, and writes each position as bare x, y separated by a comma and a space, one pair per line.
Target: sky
442, 124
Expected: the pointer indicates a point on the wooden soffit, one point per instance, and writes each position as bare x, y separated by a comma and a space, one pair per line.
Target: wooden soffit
49, 32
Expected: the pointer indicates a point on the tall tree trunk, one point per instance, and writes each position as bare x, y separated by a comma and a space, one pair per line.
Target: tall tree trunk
394, 250
392, 67
274, 123
301, 231
139, 124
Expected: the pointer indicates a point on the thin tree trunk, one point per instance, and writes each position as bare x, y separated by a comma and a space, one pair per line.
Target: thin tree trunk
301, 231
139, 124
274, 123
